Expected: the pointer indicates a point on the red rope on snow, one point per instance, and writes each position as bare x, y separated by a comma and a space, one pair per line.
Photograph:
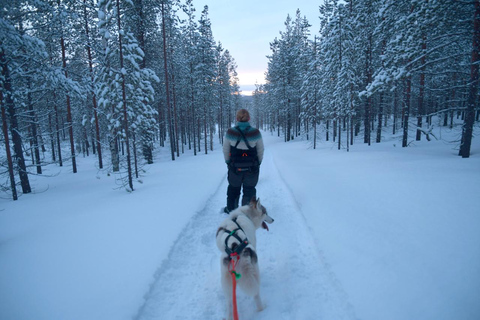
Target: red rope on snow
234, 257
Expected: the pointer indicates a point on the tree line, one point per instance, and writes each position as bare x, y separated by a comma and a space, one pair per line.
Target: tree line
112, 78
373, 64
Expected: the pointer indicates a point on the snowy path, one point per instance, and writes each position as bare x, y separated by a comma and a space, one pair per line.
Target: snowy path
296, 280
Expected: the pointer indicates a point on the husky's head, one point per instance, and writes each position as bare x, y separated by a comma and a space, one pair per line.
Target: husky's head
258, 214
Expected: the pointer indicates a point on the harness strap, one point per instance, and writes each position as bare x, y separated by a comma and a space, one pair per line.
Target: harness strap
244, 139
234, 256
243, 243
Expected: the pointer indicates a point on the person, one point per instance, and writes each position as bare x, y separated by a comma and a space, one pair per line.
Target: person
243, 151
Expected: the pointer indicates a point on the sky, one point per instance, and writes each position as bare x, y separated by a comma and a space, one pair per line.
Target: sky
247, 27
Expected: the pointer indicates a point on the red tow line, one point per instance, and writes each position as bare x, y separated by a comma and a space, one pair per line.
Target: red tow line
234, 257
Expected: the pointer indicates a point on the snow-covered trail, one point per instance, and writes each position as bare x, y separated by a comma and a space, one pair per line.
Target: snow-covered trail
297, 282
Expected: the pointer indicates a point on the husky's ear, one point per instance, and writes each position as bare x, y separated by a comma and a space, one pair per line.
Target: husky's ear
253, 202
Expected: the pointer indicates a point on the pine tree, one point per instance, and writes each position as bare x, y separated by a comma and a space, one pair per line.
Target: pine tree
16, 50
311, 101
205, 75
88, 39
124, 88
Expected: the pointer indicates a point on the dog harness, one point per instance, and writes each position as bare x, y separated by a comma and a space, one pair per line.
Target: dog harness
243, 243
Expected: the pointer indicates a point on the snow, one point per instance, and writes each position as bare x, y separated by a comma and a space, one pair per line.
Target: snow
380, 232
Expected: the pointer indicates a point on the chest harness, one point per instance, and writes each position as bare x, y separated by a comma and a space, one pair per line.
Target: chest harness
236, 250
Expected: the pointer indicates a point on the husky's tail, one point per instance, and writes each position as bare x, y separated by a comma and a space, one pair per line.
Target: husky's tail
248, 268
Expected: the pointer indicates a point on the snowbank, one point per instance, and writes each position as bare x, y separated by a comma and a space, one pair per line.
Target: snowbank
80, 248
399, 226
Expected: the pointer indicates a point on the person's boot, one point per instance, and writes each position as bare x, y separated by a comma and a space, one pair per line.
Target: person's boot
249, 193
231, 205
233, 196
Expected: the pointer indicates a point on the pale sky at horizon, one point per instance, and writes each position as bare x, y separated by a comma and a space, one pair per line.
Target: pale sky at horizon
246, 28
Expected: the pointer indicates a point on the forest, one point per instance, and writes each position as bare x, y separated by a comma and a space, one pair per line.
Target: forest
114, 78
396, 66
118, 79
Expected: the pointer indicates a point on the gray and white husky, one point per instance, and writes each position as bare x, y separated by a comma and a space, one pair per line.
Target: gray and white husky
237, 234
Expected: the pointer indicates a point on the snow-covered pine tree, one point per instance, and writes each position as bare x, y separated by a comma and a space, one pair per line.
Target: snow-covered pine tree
165, 14
330, 48
124, 89
273, 86
205, 76
144, 21
190, 38
302, 51
285, 74
10, 40
222, 90
365, 12
235, 98
310, 89
62, 15
20, 54
88, 10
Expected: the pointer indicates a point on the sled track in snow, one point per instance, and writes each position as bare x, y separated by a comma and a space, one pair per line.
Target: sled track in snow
188, 267
297, 282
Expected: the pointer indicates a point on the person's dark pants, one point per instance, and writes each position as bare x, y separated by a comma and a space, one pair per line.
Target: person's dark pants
247, 179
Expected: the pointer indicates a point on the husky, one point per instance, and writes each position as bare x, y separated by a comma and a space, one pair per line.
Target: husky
236, 234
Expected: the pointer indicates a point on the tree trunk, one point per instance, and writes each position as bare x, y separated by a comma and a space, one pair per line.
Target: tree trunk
380, 119
87, 146
115, 153
14, 129
124, 99
52, 139
193, 132
135, 161
175, 114
315, 120
366, 121
33, 130
165, 65
199, 135
205, 122
352, 120
368, 102
326, 131
395, 111
467, 132
7, 149
69, 110
57, 127
94, 98
339, 134
407, 113
421, 107
347, 127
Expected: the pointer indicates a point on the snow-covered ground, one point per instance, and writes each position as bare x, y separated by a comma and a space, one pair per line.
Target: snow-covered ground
380, 232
